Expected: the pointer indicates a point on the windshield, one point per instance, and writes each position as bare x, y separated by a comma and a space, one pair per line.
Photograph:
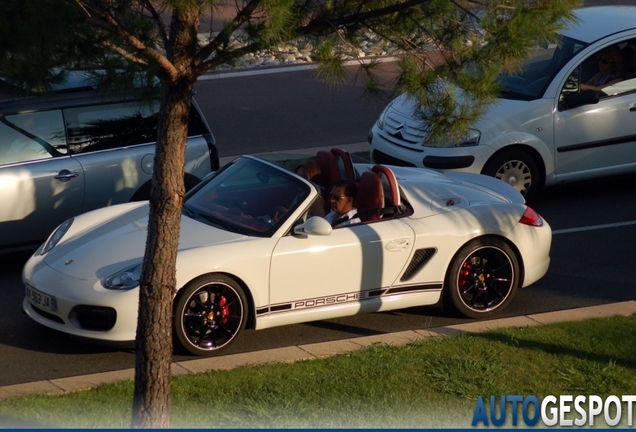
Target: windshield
541, 65
248, 197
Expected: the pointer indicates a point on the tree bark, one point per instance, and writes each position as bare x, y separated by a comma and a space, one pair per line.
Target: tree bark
153, 347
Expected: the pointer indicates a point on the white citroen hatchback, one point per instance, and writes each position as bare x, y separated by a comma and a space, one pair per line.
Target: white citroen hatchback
547, 127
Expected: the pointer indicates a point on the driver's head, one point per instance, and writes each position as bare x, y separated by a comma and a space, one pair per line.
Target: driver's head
342, 196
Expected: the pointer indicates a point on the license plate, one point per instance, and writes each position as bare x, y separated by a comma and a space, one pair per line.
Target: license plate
38, 298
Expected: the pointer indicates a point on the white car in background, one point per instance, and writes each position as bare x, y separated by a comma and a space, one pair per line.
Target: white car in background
542, 131
250, 256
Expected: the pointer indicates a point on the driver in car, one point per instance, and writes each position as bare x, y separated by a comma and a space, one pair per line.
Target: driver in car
342, 196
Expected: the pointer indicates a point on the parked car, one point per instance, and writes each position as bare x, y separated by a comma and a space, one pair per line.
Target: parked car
543, 131
249, 255
78, 149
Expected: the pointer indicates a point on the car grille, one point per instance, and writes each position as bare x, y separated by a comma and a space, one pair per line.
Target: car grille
382, 158
95, 318
397, 127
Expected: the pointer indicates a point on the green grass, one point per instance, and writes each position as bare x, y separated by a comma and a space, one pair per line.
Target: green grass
422, 385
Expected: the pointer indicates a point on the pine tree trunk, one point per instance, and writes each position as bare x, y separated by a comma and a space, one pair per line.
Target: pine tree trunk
151, 402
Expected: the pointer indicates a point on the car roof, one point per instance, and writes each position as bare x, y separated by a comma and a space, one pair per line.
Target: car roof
596, 22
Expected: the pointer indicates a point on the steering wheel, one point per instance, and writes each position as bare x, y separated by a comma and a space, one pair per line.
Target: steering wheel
279, 213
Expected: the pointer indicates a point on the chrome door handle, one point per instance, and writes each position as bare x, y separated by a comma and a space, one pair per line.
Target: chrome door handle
65, 175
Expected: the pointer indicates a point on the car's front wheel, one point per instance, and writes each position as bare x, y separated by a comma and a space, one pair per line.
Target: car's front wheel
518, 169
209, 314
482, 278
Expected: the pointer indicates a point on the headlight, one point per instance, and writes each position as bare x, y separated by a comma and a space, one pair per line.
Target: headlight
56, 236
469, 139
125, 279
380, 122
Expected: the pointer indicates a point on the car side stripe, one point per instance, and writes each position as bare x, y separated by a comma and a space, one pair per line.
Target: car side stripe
356, 296
599, 143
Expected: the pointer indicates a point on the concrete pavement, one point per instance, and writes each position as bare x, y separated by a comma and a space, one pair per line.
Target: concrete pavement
318, 350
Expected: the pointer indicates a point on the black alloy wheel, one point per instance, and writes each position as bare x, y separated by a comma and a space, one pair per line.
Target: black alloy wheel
483, 278
209, 314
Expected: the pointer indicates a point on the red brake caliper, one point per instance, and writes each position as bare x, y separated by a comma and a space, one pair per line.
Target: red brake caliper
464, 273
225, 310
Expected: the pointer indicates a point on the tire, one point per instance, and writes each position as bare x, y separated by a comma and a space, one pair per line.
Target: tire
518, 169
482, 278
209, 314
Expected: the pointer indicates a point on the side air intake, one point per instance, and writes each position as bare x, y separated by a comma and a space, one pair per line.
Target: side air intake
420, 258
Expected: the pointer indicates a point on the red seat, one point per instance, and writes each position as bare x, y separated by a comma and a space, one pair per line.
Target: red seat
392, 196
328, 173
345, 164
370, 199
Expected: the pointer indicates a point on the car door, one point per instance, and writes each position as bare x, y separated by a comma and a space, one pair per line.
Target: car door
41, 187
115, 144
343, 267
596, 138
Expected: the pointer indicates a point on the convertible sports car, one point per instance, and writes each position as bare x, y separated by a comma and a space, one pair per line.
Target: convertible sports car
250, 257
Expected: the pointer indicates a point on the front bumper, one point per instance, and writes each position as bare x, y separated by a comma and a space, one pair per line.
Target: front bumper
83, 308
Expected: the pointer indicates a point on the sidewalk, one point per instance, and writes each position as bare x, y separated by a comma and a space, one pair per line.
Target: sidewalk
318, 350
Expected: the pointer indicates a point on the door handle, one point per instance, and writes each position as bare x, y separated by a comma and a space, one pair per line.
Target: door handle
65, 175
398, 245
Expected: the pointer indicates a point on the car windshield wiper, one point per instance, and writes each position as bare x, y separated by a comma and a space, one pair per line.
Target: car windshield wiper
188, 212
218, 221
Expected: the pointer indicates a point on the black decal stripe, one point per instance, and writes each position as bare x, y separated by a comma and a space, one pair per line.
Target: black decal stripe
324, 301
600, 143
414, 288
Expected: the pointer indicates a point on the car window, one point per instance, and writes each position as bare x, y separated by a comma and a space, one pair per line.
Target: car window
31, 136
538, 69
196, 125
247, 196
103, 127
588, 70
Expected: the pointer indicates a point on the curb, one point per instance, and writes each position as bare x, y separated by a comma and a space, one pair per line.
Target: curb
320, 350
358, 151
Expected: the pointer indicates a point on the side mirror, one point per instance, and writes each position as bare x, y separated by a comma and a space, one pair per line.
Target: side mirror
586, 97
313, 226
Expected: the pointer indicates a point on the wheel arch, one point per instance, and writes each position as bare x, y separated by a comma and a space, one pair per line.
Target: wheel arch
528, 149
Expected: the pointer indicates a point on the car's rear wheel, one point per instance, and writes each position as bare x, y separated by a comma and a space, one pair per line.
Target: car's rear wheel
483, 278
518, 169
209, 314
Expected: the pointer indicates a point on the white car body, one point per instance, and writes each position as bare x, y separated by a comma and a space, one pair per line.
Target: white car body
296, 269
553, 143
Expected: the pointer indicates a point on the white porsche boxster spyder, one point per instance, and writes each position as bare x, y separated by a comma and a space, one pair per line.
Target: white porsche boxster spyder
249, 255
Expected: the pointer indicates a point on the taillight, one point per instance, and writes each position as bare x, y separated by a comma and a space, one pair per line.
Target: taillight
531, 217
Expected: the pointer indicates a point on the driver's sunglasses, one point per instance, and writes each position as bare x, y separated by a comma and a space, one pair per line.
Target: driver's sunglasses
602, 60
336, 197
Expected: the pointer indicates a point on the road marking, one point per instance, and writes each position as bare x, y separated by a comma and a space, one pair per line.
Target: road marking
593, 227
